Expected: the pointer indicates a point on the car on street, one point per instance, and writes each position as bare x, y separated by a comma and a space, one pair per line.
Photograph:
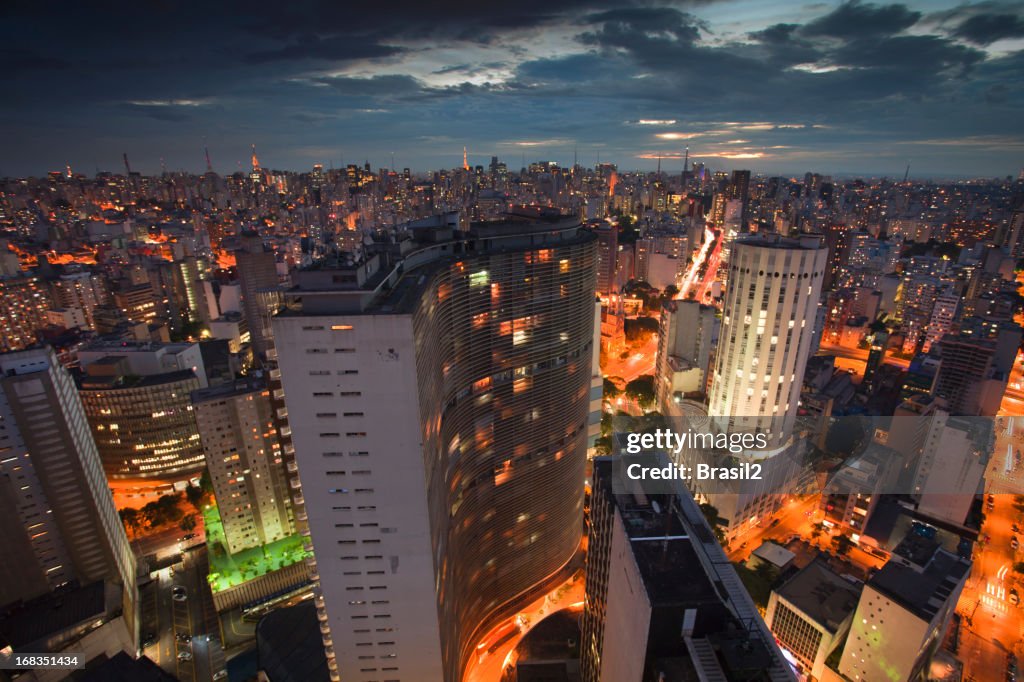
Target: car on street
1013, 542
184, 656
184, 637
1014, 599
220, 675
180, 597
148, 639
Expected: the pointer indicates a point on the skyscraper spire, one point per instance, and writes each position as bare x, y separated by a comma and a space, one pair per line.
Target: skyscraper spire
209, 166
465, 159
255, 161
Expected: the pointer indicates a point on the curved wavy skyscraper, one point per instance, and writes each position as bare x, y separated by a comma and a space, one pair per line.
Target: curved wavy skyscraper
438, 392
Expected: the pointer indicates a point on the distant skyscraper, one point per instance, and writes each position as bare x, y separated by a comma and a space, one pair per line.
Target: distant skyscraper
739, 189
57, 516
243, 455
607, 258
767, 325
257, 271
439, 410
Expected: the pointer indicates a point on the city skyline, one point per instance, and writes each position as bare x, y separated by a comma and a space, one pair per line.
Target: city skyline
851, 88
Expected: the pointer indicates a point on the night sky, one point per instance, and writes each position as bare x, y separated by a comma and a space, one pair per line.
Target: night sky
769, 85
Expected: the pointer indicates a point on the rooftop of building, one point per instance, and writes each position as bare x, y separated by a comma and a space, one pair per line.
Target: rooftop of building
922, 591
88, 382
821, 595
122, 668
230, 570
36, 620
289, 645
240, 386
774, 554
391, 273
808, 241
119, 345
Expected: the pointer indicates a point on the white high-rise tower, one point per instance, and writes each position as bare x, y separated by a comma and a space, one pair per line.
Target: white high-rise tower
767, 325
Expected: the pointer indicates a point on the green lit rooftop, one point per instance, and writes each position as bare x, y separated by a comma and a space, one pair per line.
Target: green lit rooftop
230, 570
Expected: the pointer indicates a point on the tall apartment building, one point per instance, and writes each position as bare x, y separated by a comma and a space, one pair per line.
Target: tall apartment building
23, 305
257, 271
948, 471
767, 326
904, 612
58, 523
245, 461
83, 291
972, 376
438, 403
607, 257
662, 601
943, 314
686, 348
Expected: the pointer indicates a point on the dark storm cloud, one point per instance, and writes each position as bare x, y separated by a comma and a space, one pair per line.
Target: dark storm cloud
24, 59
853, 19
334, 49
985, 29
302, 78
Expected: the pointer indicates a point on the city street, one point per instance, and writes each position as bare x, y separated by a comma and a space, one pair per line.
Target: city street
187, 630
995, 624
639, 362
795, 518
856, 359
493, 660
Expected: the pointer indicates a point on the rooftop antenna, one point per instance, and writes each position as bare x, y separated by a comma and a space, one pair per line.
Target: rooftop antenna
906, 173
209, 166
465, 159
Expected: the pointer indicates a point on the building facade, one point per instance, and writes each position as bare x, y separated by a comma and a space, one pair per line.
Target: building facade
245, 461
439, 409
767, 325
60, 526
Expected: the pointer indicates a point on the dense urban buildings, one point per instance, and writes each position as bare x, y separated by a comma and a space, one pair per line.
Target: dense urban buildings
380, 394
